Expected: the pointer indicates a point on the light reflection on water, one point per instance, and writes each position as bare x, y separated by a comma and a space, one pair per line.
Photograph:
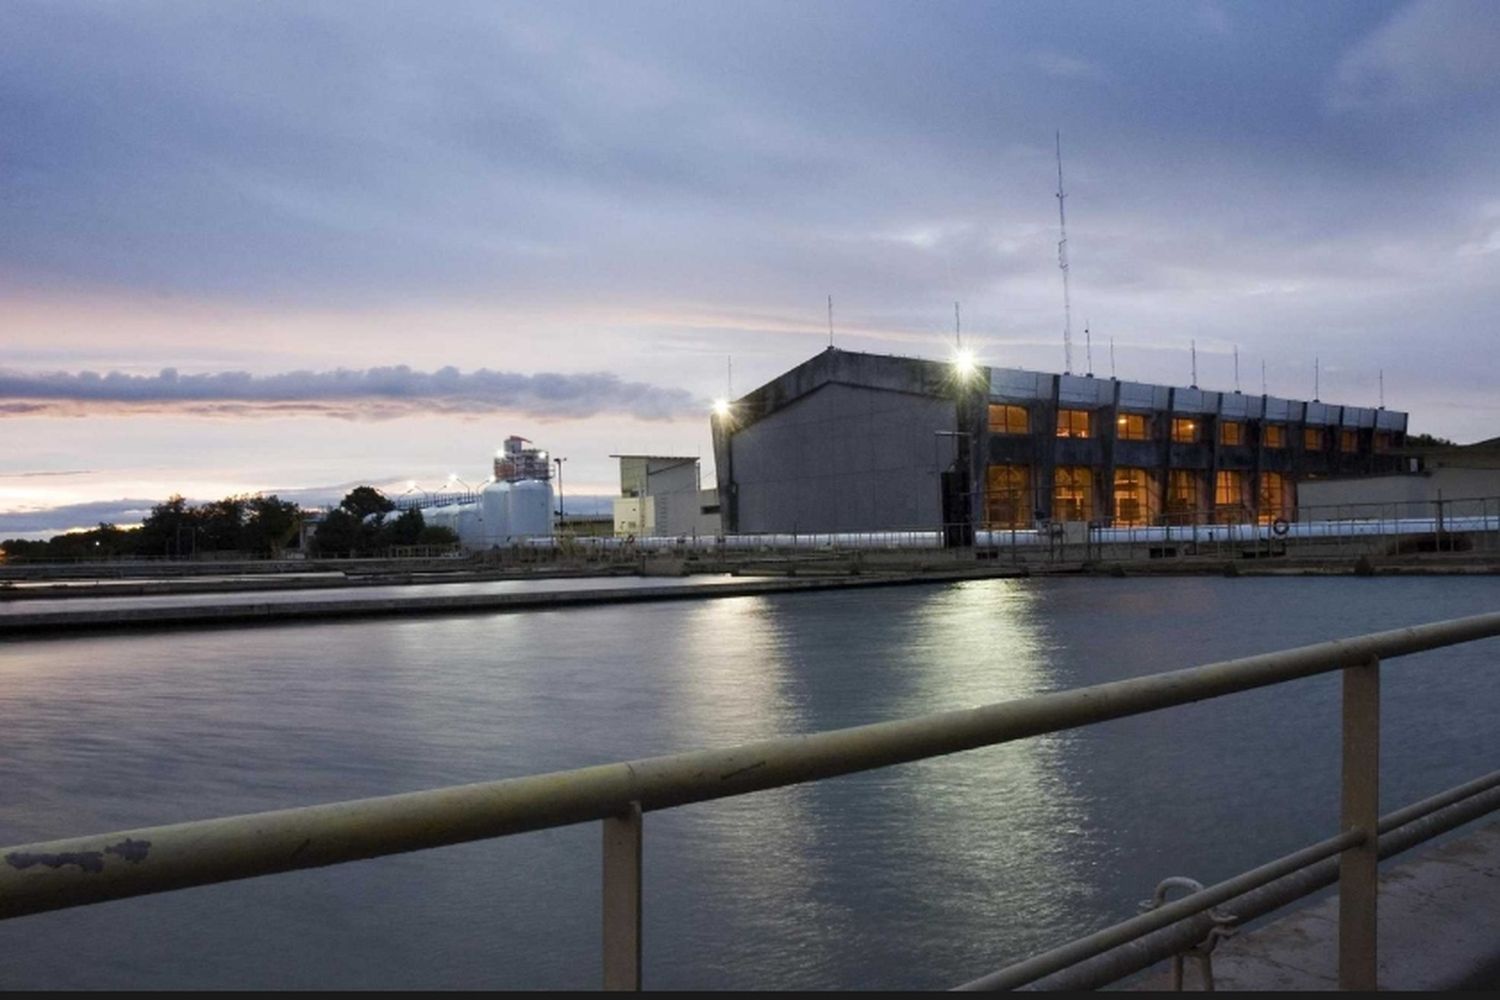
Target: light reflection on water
920, 875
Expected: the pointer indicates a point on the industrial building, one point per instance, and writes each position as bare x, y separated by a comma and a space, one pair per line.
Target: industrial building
850, 442
662, 496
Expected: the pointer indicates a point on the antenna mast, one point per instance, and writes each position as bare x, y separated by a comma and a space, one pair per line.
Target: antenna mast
1088, 349
1263, 377
958, 329
729, 377
1111, 356
1236, 368
1062, 263
1317, 377
830, 321
1382, 388
1193, 346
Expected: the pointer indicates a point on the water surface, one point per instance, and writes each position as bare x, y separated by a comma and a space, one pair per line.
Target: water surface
917, 876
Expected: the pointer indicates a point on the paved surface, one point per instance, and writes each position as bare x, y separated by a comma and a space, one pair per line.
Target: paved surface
1439, 930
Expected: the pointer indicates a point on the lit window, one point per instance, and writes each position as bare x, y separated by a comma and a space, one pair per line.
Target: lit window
1008, 496
1231, 432
1072, 423
1134, 506
1312, 439
1009, 419
1184, 430
1132, 427
1349, 441
1382, 441
1073, 493
1182, 496
1274, 436
1274, 497
1229, 496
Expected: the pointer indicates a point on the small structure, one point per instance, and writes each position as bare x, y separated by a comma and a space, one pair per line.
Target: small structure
662, 495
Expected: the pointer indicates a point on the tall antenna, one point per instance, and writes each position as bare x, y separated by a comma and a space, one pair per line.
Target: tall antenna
1317, 377
1193, 346
1062, 263
1111, 356
1263, 377
1382, 388
1236, 368
958, 328
1088, 349
830, 321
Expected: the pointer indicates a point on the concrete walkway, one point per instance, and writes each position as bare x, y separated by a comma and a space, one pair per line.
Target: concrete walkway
1439, 930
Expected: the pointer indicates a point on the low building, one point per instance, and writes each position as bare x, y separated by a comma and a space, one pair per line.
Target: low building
850, 441
1458, 480
662, 496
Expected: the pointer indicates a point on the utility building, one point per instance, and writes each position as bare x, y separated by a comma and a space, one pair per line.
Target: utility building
864, 442
661, 495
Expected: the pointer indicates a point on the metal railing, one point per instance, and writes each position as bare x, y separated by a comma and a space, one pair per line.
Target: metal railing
55, 875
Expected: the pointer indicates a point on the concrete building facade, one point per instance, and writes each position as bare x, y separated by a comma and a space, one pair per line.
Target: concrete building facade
661, 496
862, 442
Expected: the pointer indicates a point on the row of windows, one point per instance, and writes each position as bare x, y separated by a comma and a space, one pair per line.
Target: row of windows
1010, 502
1009, 419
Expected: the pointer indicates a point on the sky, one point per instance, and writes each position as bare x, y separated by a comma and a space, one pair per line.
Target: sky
293, 247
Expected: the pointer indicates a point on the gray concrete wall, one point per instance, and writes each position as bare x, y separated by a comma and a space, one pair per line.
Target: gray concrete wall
844, 458
1406, 495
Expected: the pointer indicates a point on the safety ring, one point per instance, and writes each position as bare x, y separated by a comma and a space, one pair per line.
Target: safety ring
1280, 526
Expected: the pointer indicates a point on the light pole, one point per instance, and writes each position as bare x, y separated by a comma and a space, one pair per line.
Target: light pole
561, 510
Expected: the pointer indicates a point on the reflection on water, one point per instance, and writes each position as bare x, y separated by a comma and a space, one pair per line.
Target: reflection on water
916, 876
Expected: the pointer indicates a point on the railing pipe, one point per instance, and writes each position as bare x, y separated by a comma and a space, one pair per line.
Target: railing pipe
1165, 915
1400, 831
82, 870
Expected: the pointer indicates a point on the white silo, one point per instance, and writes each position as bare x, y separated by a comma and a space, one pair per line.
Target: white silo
531, 509
494, 508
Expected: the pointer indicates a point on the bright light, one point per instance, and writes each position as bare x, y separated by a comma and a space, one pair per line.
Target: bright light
452, 477
411, 484
964, 364
721, 407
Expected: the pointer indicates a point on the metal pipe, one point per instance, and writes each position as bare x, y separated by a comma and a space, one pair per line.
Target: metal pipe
1126, 931
76, 871
1400, 831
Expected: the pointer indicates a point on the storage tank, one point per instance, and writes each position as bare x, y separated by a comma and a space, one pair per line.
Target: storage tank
530, 509
470, 526
494, 509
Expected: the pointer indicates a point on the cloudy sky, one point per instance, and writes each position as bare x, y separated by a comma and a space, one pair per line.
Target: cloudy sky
291, 246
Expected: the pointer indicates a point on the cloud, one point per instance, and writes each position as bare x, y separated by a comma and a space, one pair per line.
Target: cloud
1065, 67
368, 394
1431, 52
66, 517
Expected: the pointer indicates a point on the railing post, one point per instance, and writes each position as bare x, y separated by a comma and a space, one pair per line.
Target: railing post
622, 900
1361, 811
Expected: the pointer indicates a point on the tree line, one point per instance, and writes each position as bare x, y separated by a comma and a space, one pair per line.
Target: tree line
363, 523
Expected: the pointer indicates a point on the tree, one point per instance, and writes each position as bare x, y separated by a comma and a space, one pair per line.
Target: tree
436, 534
169, 529
339, 534
270, 524
220, 523
406, 529
362, 501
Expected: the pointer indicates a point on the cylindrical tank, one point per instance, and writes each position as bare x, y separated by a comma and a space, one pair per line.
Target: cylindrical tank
530, 508
494, 508
470, 527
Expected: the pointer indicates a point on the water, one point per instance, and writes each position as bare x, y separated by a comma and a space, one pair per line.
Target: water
917, 876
